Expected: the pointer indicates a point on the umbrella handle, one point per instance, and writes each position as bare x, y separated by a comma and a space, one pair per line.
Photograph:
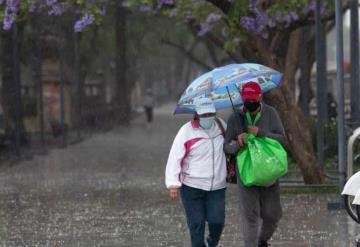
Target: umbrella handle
232, 104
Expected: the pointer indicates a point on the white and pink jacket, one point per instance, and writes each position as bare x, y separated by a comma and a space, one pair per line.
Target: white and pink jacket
197, 158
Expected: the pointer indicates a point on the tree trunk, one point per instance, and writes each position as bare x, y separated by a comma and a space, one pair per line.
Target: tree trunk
11, 87
77, 93
122, 99
297, 132
306, 61
36, 66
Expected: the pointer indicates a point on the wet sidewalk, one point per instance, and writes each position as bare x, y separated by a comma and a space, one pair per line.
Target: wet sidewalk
109, 191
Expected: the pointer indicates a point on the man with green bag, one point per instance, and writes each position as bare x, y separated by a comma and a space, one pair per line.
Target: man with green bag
255, 135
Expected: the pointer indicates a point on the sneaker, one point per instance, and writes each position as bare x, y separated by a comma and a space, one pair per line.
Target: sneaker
263, 244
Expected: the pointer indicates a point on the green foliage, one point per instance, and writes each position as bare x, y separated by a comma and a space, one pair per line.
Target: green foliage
238, 9
286, 6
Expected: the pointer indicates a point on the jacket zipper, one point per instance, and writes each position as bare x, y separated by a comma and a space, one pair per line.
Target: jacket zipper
213, 161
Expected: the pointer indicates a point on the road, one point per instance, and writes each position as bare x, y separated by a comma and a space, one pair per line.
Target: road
109, 191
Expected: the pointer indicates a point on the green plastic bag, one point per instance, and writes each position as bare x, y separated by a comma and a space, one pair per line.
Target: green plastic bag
261, 161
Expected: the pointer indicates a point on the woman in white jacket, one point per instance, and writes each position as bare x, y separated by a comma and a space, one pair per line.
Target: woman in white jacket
197, 168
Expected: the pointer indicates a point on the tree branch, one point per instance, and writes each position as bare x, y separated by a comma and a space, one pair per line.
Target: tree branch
220, 43
309, 21
188, 54
224, 6
216, 41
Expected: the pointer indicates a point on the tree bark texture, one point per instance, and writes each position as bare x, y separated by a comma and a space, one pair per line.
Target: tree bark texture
293, 118
306, 61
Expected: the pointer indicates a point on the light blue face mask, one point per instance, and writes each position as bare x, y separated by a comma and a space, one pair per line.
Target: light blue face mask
206, 122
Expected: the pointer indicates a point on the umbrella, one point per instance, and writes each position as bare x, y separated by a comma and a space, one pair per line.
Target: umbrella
221, 84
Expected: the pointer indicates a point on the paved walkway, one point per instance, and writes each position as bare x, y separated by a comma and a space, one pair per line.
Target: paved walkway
109, 191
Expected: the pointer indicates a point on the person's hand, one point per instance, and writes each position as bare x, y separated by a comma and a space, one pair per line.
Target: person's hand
253, 130
174, 193
242, 139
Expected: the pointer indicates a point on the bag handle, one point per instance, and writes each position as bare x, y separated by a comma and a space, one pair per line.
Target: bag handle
249, 120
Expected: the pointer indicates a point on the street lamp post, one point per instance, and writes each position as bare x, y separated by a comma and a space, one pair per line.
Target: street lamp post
354, 56
340, 92
321, 80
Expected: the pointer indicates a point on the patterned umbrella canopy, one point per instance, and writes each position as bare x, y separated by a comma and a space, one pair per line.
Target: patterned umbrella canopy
224, 82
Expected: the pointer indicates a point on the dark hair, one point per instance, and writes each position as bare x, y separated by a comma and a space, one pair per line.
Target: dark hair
196, 116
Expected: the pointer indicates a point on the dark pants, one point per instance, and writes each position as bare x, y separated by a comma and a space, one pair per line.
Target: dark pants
149, 114
261, 210
201, 206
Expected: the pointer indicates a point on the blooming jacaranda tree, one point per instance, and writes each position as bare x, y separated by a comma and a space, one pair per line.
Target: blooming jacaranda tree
89, 11
262, 31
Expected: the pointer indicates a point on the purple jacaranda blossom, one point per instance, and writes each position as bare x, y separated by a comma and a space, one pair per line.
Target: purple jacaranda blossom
212, 17
7, 22
248, 22
160, 3
169, 2
310, 7
12, 6
254, 6
294, 16
283, 19
51, 2
86, 20
204, 29
278, 17
260, 22
32, 8
257, 25
263, 19
56, 10
10, 12
271, 23
287, 19
324, 8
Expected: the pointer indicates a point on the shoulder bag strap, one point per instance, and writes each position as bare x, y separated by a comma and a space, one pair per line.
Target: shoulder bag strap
218, 121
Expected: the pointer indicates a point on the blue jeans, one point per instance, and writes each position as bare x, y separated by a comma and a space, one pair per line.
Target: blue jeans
204, 206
